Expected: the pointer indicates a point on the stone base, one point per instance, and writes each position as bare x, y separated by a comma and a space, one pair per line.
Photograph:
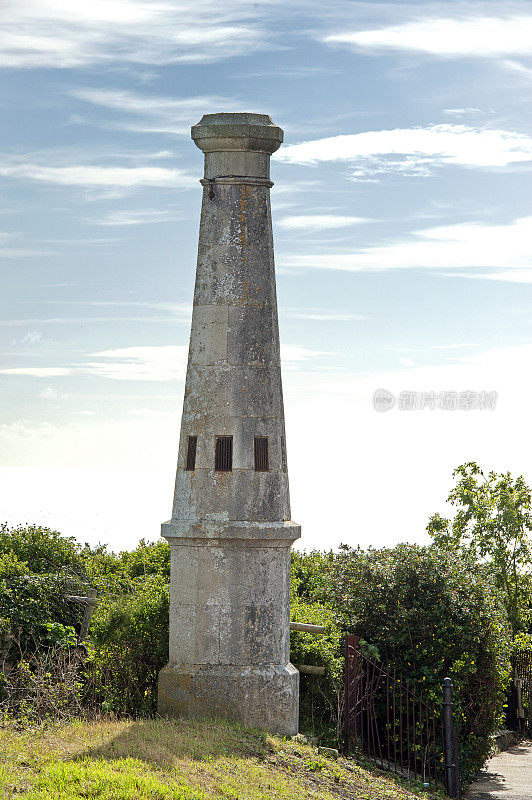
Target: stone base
264, 697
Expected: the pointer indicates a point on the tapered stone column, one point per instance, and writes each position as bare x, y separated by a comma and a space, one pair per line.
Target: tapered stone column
230, 532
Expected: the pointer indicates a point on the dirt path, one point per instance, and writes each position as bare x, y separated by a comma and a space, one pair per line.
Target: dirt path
507, 776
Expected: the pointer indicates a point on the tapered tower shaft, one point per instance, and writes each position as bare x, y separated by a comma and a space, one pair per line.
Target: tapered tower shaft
230, 532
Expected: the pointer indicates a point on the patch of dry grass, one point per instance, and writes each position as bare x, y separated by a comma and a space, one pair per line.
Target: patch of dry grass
177, 760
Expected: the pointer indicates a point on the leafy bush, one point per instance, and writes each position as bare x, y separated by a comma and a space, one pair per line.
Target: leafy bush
41, 549
129, 632
422, 610
522, 644
319, 697
129, 645
427, 615
311, 574
33, 613
148, 558
38, 568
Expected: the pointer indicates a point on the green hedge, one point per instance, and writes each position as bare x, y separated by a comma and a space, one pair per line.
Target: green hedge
129, 645
42, 549
417, 608
319, 696
33, 610
423, 612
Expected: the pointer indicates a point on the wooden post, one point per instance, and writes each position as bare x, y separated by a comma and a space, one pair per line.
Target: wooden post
308, 669
306, 627
89, 602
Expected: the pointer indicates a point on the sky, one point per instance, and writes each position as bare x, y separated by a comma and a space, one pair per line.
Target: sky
402, 219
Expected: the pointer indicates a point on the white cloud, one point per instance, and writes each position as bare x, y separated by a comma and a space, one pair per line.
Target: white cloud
83, 439
30, 338
152, 105
322, 315
63, 33
415, 150
182, 311
162, 363
49, 393
87, 175
26, 429
15, 252
171, 115
453, 246
79, 242
460, 112
143, 216
467, 36
37, 372
293, 355
147, 412
406, 362
415, 475
319, 222
509, 275
453, 346
516, 66
158, 363
9, 323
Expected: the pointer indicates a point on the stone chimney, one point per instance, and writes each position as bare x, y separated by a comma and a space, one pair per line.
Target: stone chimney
230, 533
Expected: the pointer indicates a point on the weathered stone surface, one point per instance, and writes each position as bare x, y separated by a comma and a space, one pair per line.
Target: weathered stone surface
329, 752
261, 697
230, 532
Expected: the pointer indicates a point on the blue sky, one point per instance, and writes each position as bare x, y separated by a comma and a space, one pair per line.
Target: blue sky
402, 218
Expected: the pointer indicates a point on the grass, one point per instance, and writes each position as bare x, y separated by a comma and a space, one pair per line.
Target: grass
179, 760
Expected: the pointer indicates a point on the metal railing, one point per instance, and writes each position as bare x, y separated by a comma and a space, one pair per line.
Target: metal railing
520, 705
387, 720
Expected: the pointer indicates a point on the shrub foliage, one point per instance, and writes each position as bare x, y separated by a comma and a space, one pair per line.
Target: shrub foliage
129, 645
422, 610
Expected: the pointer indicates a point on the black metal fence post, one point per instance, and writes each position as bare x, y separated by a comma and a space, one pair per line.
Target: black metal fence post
450, 743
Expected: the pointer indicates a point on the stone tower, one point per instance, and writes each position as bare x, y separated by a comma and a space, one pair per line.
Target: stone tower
230, 533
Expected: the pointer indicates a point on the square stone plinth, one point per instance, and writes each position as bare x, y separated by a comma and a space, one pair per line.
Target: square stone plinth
260, 697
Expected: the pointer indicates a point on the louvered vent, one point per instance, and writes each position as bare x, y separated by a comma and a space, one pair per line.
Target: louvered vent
223, 460
191, 452
261, 453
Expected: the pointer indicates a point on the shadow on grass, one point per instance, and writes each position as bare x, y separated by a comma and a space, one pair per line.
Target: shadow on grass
409, 784
162, 742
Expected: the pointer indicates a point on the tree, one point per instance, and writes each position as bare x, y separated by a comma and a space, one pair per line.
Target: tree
492, 529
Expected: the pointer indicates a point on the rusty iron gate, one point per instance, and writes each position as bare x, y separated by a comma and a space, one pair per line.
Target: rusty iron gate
387, 721
522, 695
